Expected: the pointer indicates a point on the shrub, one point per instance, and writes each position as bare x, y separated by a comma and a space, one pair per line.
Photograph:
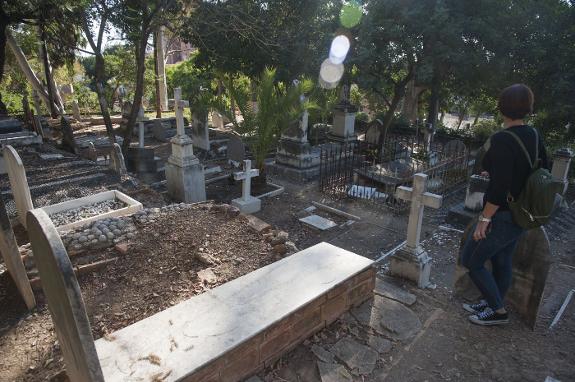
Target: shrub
484, 129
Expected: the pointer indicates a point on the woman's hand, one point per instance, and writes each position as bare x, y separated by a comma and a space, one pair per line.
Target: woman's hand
481, 231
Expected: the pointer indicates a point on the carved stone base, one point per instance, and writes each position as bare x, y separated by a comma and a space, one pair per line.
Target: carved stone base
248, 206
407, 265
186, 183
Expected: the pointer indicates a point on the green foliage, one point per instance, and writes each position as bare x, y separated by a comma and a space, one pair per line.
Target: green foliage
325, 101
362, 117
484, 129
279, 106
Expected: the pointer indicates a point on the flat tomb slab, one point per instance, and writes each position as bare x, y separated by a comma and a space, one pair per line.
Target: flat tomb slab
237, 328
318, 222
131, 206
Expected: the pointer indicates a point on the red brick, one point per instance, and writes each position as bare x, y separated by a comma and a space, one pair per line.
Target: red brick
122, 248
308, 324
279, 328
239, 367
274, 347
333, 308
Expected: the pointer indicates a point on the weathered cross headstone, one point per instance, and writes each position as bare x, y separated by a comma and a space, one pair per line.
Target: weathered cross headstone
18, 183
13, 259
247, 203
117, 161
64, 300
184, 172
411, 261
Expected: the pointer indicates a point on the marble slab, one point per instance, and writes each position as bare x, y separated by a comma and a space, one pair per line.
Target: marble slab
318, 222
208, 326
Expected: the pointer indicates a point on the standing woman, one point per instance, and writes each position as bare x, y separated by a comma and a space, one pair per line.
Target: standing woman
495, 236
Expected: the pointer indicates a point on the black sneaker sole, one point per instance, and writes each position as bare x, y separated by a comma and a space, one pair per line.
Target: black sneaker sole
477, 321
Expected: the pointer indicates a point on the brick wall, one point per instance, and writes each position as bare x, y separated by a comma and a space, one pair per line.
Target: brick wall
265, 348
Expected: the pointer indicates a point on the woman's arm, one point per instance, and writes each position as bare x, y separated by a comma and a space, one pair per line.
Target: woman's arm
484, 221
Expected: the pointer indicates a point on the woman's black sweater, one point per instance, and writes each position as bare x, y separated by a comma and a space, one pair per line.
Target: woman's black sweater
507, 165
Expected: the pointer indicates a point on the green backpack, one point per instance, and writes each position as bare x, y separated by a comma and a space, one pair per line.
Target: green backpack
534, 205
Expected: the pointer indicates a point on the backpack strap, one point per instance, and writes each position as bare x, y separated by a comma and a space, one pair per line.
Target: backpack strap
522, 145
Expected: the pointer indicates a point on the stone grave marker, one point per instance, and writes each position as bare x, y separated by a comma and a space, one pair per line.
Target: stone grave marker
217, 120
318, 222
13, 259
18, 183
64, 300
411, 261
247, 203
117, 162
200, 133
184, 172
373, 132
236, 149
454, 148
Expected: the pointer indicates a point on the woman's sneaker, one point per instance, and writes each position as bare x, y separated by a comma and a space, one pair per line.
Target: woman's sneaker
476, 308
489, 317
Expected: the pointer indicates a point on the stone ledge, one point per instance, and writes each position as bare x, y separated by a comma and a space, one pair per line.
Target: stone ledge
233, 331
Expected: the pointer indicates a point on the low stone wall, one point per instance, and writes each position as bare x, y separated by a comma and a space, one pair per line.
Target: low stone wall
267, 347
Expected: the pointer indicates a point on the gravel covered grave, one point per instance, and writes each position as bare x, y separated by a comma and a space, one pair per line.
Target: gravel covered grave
85, 212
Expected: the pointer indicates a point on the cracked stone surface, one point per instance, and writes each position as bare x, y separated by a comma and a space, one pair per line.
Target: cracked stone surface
359, 358
388, 318
393, 292
322, 354
331, 372
379, 344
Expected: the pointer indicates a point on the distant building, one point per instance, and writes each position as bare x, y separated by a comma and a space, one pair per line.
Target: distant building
178, 51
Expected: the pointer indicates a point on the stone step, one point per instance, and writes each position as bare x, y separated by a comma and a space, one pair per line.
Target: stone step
230, 332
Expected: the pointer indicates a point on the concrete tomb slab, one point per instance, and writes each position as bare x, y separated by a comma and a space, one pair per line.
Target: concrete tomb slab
359, 358
318, 222
224, 334
386, 289
18, 183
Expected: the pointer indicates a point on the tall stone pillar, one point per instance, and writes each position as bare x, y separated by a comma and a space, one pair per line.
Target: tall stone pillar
561, 163
343, 129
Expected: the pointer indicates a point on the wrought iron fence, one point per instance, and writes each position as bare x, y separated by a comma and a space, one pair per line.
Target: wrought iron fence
360, 172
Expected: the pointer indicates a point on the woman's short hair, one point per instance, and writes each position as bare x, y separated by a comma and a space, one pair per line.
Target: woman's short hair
516, 102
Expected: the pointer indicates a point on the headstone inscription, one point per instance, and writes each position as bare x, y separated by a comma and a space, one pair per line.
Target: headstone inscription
247, 203
411, 261
18, 183
13, 259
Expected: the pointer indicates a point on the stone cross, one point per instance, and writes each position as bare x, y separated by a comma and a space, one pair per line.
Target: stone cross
411, 261
419, 199
247, 203
247, 176
179, 105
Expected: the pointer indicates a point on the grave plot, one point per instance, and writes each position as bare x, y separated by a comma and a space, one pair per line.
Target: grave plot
169, 255
79, 212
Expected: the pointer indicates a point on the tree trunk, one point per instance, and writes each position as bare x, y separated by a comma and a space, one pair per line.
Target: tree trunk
157, 74
47, 74
100, 73
476, 118
26, 69
433, 110
140, 69
410, 103
460, 118
3, 37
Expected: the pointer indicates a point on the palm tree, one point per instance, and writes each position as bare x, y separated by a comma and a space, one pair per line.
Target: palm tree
278, 106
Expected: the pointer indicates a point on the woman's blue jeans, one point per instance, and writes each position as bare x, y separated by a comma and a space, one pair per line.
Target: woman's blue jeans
498, 248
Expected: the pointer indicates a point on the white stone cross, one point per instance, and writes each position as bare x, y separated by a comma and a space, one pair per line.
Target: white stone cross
179, 105
247, 176
419, 199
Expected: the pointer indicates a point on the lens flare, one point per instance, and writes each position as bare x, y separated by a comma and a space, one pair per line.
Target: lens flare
330, 73
339, 49
351, 14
